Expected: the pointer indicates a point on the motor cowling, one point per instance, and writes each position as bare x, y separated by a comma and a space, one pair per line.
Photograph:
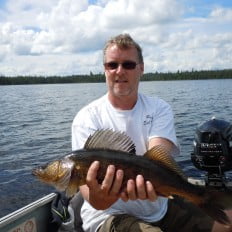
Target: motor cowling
212, 147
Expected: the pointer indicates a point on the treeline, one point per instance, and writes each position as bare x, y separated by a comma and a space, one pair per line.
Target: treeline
23, 80
179, 75
189, 75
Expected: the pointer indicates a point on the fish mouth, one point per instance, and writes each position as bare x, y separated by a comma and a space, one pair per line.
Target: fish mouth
37, 171
41, 174
40, 169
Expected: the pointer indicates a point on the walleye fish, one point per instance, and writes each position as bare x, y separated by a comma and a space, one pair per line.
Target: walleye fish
156, 165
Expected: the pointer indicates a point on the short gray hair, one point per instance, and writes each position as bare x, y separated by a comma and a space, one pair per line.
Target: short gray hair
123, 41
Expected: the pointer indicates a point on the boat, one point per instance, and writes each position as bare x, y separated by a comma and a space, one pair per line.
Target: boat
212, 153
33, 217
36, 216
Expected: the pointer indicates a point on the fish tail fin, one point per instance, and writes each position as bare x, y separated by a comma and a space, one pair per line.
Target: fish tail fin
215, 202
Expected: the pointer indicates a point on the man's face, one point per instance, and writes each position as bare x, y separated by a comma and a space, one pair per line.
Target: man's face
120, 80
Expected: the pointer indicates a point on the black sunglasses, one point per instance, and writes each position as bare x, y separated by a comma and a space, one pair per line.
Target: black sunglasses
126, 65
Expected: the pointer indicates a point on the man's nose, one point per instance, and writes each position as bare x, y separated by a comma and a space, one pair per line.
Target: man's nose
120, 69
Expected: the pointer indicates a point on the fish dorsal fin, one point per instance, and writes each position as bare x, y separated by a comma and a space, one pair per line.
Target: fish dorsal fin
109, 139
160, 154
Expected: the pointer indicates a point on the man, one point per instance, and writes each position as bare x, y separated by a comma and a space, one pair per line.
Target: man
148, 122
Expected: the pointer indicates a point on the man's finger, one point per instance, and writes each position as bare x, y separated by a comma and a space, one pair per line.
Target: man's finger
141, 188
109, 178
131, 191
150, 191
91, 178
116, 187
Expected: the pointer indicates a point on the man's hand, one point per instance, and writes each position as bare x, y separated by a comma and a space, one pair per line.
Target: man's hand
102, 196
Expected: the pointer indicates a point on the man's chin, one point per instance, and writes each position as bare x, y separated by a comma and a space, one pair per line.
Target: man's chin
121, 93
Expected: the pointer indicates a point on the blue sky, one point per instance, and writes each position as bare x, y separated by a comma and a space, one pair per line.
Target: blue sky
2, 3
65, 37
202, 8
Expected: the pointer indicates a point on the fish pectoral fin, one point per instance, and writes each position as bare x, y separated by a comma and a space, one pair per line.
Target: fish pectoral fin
109, 139
72, 188
160, 154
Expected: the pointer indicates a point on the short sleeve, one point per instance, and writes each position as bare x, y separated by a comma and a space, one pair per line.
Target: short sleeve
83, 125
163, 123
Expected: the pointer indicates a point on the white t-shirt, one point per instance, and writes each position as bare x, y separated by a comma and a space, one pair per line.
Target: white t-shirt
150, 117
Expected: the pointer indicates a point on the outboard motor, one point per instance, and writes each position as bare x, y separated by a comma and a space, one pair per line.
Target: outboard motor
213, 150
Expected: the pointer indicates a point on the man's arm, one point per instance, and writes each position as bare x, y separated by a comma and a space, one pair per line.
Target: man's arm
168, 145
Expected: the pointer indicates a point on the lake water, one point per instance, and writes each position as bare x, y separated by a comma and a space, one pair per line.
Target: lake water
35, 126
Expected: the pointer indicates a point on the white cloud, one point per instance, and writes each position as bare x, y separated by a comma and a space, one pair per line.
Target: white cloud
23, 13
221, 14
47, 65
137, 14
66, 36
